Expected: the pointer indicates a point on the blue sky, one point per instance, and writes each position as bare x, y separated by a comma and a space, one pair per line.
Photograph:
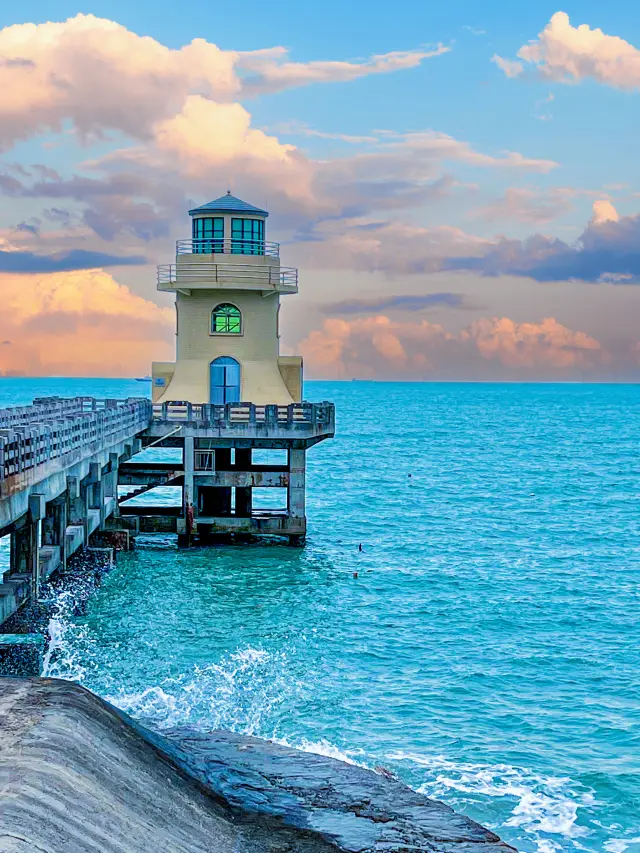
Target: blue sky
463, 173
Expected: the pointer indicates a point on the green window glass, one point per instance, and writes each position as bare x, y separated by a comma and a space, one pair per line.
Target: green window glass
208, 235
247, 236
226, 320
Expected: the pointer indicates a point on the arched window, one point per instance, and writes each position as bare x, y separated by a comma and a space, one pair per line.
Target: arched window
226, 319
224, 380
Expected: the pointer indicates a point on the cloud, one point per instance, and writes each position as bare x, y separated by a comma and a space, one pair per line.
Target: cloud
527, 206
489, 348
207, 132
607, 250
570, 54
76, 259
389, 247
185, 129
604, 211
80, 324
98, 76
510, 67
267, 74
133, 203
298, 128
406, 302
143, 190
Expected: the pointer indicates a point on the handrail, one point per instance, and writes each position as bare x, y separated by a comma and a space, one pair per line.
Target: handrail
264, 276
226, 246
54, 427
232, 414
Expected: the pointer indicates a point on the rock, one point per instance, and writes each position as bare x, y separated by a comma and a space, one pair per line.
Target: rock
356, 809
77, 775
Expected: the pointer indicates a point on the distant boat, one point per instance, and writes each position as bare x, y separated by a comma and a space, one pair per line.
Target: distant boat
143, 379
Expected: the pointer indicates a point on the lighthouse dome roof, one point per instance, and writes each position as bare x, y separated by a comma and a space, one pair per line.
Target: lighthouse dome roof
228, 204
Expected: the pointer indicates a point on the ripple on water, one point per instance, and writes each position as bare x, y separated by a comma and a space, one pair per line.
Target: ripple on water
488, 651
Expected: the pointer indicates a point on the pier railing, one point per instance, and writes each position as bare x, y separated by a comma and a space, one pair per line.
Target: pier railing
232, 414
54, 427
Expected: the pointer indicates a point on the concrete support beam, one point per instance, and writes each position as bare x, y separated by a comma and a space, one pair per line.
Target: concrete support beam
188, 471
112, 482
243, 494
184, 524
296, 489
96, 490
54, 527
37, 511
77, 495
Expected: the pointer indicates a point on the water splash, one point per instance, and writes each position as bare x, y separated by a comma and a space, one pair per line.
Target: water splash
239, 693
543, 806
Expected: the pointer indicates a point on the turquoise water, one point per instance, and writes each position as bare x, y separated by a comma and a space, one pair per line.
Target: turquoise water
489, 649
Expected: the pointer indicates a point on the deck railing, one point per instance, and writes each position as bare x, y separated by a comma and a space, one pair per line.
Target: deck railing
231, 274
54, 427
226, 246
231, 414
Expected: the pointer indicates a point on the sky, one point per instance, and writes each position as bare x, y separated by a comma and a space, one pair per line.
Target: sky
458, 183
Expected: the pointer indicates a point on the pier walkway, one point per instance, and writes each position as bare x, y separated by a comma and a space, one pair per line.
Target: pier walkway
59, 462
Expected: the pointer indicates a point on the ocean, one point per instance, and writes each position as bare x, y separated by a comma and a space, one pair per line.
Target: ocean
488, 651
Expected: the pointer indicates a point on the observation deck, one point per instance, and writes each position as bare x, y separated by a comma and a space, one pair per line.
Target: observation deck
298, 425
227, 263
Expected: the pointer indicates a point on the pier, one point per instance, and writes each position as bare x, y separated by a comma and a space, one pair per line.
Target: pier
219, 472
62, 461
59, 461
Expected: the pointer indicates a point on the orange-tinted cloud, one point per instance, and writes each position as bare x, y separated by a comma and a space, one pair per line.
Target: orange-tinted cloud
79, 324
98, 75
489, 348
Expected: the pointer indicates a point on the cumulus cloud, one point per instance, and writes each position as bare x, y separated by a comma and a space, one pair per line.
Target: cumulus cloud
569, 54
604, 211
98, 75
79, 324
206, 134
488, 348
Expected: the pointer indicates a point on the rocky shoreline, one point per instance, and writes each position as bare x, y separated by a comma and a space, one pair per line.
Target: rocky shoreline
78, 775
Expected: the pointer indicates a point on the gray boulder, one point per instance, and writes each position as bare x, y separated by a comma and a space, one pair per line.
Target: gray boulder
77, 775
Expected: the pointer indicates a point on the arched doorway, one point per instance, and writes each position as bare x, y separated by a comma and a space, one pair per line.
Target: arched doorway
225, 380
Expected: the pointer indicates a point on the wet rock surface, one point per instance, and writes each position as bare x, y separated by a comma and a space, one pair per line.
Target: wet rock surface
77, 775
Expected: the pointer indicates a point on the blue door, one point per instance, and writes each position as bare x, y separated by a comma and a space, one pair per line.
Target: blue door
225, 380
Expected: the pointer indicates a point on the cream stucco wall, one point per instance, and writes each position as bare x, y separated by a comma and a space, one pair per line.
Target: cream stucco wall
256, 349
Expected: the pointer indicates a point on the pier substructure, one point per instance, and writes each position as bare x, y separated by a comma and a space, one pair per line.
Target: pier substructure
221, 470
59, 463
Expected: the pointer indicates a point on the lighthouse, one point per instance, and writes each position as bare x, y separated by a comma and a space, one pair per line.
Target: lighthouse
230, 394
